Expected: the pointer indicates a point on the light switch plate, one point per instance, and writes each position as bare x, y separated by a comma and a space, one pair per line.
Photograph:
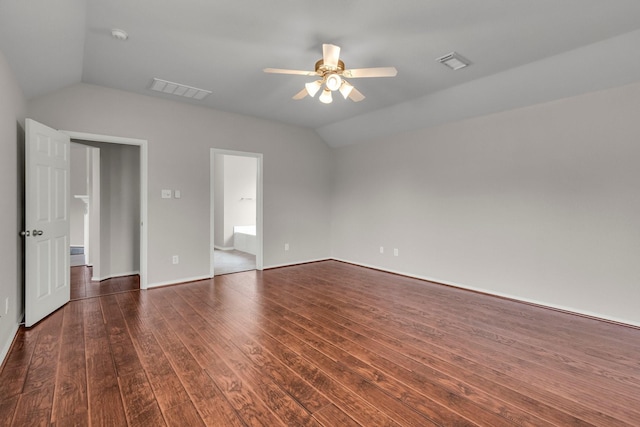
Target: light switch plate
166, 194
177, 194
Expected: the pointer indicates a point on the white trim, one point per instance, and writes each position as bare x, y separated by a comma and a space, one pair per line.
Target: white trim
114, 276
259, 204
223, 248
178, 282
144, 185
7, 346
570, 310
290, 264
84, 136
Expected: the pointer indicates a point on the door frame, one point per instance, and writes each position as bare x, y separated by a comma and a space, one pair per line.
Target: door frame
259, 207
144, 161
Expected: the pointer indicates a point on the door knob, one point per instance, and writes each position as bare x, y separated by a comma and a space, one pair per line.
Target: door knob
25, 233
37, 232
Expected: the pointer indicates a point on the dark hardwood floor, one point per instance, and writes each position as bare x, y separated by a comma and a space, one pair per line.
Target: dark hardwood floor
83, 287
322, 344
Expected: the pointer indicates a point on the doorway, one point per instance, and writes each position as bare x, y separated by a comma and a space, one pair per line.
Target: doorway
105, 218
236, 211
112, 278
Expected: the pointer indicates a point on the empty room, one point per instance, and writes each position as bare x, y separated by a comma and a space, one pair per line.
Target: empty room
339, 213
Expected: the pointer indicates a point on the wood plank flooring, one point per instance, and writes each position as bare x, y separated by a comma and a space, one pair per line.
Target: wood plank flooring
83, 287
321, 344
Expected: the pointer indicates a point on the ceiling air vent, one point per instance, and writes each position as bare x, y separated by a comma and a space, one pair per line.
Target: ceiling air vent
454, 61
178, 89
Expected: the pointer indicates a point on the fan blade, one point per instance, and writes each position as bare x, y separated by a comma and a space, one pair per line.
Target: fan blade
300, 94
285, 71
370, 72
330, 55
356, 95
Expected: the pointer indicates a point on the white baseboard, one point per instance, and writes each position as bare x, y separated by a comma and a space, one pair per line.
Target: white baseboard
224, 248
177, 282
114, 276
289, 264
570, 310
7, 345
77, 260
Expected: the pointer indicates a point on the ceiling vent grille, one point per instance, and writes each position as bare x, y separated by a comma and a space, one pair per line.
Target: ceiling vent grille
454, 61
178, 89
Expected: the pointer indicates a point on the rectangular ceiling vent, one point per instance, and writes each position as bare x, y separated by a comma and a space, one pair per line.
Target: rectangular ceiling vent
454, 61
178, 89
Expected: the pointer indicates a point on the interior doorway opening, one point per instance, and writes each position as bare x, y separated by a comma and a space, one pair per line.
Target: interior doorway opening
104, 218
134, 153
236, 211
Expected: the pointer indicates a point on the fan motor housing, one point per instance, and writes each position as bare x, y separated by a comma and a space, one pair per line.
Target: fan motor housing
323, 69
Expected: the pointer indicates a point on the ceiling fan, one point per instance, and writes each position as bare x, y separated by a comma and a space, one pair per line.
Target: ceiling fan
332, 73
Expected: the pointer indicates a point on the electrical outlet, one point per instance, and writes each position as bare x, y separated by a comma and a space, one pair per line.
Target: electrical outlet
381, 249
395, 252
286, 246
176, 260
166, 194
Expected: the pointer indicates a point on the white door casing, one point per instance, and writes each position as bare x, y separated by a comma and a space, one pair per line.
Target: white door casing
47, 232
144, 160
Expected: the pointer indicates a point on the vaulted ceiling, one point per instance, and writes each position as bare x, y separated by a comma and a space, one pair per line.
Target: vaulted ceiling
223, 46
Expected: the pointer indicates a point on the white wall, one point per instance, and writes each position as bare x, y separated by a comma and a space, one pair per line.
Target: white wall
539, 203
119, 210
218, 202
296, 173
94, 253
78, 184
12, 114
240, 184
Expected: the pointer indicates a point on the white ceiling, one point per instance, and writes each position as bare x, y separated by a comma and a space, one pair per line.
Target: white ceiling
223, 45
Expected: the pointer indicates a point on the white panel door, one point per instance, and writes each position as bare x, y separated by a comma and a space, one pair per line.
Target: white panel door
46, 220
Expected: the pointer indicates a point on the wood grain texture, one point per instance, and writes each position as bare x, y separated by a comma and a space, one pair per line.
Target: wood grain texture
331, 415
7, 410
70, 394
321, 344
83, 287
103, 391
17, 362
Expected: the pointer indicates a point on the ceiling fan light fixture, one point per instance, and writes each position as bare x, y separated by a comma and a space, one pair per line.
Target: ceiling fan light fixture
326, 97
346, 89
313, 87
332, 73
333, 82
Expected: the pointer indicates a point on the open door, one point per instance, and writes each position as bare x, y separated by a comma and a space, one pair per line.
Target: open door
46, 220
